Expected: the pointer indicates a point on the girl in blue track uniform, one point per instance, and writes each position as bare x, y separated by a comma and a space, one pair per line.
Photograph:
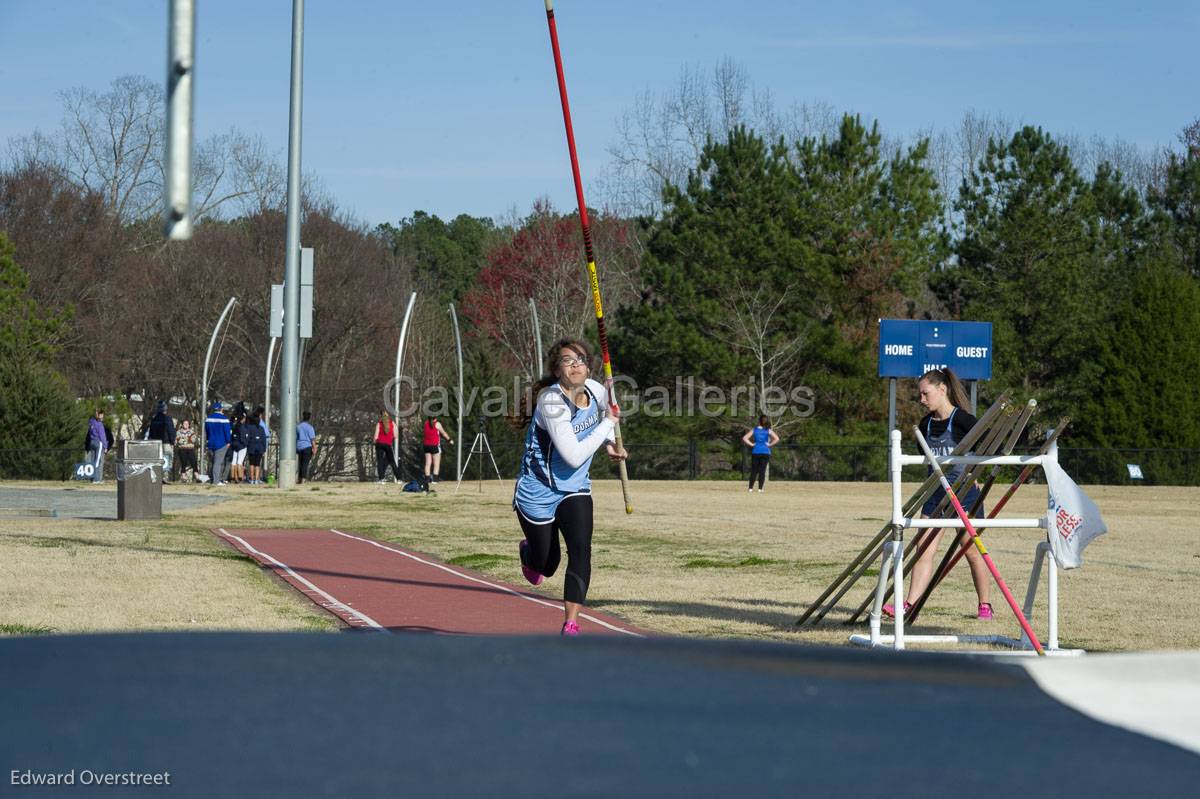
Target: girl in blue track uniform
572, 419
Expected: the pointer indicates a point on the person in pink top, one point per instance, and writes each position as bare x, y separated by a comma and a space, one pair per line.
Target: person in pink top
432, 444
385, 447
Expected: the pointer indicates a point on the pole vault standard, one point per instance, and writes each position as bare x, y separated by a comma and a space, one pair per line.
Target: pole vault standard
1014, 435
875, 547
966, 520
587, 243
991, 444
953, 555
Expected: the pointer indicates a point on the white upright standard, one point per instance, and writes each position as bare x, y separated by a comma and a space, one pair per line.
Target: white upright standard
893, 559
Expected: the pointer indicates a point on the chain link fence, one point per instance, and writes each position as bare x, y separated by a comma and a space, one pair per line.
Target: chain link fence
348, 460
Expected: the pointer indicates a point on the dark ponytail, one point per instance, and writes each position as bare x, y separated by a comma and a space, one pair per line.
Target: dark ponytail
549, 378
956, 392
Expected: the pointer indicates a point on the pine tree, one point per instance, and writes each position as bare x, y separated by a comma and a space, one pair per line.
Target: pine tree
37, 411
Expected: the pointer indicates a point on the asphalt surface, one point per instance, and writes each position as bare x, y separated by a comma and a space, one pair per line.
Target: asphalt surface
85, 503
363, 714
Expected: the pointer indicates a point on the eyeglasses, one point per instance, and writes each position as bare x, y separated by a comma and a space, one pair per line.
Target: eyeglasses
569, 361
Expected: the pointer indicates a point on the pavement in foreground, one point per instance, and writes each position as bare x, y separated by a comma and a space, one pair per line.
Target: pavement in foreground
362, 714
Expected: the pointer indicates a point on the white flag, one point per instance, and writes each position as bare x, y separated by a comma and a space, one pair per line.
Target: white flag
1073, 520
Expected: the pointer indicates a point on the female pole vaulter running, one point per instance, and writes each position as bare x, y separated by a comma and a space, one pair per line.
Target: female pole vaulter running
573, 417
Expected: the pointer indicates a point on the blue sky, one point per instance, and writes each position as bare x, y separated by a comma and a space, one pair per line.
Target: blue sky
452, 107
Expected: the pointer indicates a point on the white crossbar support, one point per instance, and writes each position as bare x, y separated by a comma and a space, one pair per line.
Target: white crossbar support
893, 558
978, 524
978, 460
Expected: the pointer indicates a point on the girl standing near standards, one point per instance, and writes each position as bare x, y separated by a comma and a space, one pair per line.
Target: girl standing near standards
761, 439
432, 441
947, 422
573, 417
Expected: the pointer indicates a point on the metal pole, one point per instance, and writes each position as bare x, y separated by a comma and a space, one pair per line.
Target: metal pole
396, 377
892, 405
400, 352
537, 341
458, 438
267, 382
974, 395
204, 381
266, 417
289, 399
181, 30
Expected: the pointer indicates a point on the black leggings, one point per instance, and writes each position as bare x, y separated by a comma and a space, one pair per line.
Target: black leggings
384, 459
758, 468
574, 520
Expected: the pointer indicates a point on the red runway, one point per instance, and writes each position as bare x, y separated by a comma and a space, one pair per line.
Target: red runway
371, 584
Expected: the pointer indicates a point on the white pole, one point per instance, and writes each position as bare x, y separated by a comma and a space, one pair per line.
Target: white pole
204, 382
537, 341
458, 439
289, 391
396, 377
400, 351
181, 30
267, 382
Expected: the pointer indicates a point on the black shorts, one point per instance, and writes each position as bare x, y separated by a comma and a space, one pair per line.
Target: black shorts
254, 458
432, 449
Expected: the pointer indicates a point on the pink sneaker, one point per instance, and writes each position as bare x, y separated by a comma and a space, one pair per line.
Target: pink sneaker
889, 609
985, 611
530, 575
570, 628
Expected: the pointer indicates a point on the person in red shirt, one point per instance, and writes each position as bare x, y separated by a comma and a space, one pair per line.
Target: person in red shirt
432, 444
385, 447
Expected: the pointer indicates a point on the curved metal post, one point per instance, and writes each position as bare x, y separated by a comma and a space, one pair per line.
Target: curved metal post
396, 377
458, 438
204, 382
537, 341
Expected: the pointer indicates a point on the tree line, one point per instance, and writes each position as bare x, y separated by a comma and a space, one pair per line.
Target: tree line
771, 247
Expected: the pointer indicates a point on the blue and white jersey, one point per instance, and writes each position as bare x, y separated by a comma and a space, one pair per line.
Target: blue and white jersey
559, 445
762, 437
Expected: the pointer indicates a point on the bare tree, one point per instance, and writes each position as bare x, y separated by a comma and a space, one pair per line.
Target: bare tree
660, 138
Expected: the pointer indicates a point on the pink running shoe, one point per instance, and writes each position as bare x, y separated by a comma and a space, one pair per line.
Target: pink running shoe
570, 628
889, 609
985, 611
530, 575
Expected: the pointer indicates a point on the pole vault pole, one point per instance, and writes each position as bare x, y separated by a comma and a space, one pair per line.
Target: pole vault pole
966, 520
587, 244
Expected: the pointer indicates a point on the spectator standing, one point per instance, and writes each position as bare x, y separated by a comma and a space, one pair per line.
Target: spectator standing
261, 413
306, 446
185, 450
162, 428
97, 442
385, 449
217, 435
237, 445
256, 447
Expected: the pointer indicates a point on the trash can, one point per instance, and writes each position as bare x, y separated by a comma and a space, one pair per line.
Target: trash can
139, 480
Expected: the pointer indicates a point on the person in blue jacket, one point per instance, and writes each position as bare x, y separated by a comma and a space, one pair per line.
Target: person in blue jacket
760, 438
217, 436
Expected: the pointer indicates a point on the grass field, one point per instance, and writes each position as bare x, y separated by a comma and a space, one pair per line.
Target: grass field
700, 558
